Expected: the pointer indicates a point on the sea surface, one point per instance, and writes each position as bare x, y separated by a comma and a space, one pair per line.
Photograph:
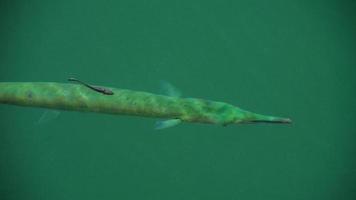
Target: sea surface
295, 59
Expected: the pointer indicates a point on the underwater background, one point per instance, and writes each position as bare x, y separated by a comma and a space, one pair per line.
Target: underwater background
287, 58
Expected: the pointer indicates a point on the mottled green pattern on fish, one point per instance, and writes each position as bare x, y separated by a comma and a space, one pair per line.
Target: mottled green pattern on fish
76, 97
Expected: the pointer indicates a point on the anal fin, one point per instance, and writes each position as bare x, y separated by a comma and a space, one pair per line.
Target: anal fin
47, 116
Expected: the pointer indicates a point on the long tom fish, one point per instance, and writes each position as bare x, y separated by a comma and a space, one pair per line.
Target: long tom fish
172, 109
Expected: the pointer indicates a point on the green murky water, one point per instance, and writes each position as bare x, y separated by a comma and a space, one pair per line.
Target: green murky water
294, 59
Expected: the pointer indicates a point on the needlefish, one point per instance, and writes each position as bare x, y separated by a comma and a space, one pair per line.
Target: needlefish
171, 108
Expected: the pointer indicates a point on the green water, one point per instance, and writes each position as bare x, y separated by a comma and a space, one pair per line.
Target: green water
290, 58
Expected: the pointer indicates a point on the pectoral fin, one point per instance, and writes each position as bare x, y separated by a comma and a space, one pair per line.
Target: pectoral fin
167, 123
169, 90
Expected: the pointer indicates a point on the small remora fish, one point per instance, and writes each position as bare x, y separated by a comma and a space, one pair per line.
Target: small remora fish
93, 87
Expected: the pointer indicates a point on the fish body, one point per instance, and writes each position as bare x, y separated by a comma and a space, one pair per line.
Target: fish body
75, 97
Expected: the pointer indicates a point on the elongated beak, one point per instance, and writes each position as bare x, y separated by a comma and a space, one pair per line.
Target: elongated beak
250, 117
276, 120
